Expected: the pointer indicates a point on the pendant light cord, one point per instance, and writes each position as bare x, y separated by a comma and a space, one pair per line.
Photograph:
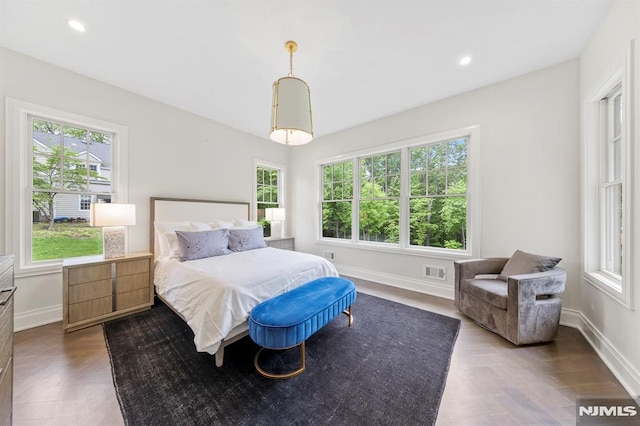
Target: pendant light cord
290, 62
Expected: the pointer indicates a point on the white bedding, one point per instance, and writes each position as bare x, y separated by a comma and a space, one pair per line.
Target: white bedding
216, 294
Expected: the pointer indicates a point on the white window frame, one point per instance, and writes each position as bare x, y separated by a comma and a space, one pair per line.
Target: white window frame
355, 216
281, 184
403, 247
594, 166
19, 154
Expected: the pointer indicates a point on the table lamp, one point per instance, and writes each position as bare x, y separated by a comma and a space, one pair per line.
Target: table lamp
275, 217
113, 218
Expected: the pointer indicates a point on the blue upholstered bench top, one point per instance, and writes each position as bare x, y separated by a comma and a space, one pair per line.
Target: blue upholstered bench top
292, 317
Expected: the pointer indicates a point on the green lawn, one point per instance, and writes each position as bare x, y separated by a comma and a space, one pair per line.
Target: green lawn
66, 240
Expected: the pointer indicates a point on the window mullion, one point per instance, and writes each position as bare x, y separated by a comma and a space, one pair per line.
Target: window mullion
61, 160
355, 203
403, 204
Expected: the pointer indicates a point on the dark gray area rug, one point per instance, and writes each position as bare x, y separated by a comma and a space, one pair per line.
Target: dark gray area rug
389, 368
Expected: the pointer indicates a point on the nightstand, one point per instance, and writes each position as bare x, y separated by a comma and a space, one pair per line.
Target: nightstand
284, 243
96, 289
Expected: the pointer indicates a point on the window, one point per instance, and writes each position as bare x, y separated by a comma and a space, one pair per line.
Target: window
337, 198
61, 163
268, 188
413, 196
438, 195
379, 206
269, 193
61, 154
608, 194
611, 185
85, 202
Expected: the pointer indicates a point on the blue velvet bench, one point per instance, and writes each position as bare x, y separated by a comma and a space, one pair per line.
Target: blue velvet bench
289, 319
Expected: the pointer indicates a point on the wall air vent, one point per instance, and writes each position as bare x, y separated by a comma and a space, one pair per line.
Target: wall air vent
437, 272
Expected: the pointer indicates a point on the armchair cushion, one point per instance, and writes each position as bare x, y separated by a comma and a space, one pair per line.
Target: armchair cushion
493, 292
527, 263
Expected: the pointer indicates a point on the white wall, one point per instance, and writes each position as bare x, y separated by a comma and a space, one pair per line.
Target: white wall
529, 175
612, 328
171, 153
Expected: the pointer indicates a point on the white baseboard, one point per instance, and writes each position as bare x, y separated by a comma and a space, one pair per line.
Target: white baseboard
427, 286
624, 371
37, 317
570, 318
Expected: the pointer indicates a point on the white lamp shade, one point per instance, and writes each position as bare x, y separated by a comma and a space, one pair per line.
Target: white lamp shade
106, 214
274, 214
291, 122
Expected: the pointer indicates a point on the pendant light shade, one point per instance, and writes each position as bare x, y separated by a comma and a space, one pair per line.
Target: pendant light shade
291, 122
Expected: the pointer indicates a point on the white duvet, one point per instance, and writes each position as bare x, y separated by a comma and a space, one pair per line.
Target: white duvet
216, 294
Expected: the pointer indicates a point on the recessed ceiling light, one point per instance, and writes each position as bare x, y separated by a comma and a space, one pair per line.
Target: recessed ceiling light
76, 25
465, 60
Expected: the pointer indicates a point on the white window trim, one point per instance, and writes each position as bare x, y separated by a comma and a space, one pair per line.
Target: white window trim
473, 197
281, 185
592, 157
18, 187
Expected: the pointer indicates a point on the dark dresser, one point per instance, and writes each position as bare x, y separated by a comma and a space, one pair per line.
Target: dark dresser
6, 339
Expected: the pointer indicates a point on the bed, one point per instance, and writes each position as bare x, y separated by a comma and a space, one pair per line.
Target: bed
214, 295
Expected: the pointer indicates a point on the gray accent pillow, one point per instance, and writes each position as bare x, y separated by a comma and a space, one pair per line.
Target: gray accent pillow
242, 239
527, 263
201, 244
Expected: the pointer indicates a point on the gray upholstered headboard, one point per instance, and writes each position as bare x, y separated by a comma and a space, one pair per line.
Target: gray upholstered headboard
164, 210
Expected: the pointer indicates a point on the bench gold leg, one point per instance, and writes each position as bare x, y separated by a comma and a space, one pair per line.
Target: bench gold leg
348, 312
285, 375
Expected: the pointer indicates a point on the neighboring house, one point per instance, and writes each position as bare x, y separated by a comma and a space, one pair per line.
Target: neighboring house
98, 157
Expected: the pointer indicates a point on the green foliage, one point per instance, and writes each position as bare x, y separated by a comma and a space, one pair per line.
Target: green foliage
437, 218
66, 240
56, 129
336, 219
379, 217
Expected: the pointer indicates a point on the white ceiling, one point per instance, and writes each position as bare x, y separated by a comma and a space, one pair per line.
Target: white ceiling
363, 59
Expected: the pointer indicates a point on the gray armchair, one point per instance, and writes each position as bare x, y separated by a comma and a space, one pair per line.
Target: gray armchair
523, 309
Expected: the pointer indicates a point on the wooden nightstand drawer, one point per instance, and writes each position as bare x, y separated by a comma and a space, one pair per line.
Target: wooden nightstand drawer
132, 267
6, 339
132, 298
132, 282
89, 291
6, 392
90, 309
6, 333
89, 273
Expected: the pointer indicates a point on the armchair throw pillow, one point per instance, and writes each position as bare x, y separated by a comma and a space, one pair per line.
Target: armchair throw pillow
527, 263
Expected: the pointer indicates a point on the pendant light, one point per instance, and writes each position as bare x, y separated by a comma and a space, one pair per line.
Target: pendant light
291, 114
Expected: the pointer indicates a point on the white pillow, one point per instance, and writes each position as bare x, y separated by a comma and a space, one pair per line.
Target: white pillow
242, 223
217, 223
201, 226
167, 239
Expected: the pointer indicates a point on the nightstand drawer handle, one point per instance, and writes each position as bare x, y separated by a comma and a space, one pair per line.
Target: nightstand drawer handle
8, 296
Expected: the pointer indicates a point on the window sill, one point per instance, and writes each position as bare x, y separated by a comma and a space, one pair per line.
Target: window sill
608, 286
394, 248
32, 271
